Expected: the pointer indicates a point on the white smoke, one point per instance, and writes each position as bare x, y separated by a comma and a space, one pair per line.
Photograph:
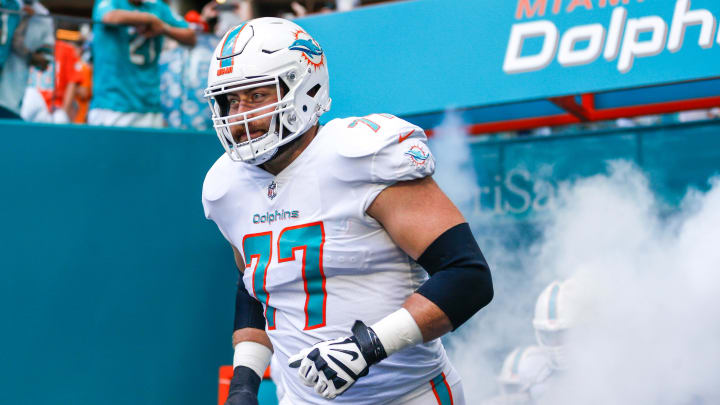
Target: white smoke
649, 277
478, 347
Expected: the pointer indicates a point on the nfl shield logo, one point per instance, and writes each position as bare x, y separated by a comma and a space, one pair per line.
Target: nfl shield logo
271, 190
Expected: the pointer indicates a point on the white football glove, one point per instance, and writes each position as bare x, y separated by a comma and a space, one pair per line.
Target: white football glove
333, 366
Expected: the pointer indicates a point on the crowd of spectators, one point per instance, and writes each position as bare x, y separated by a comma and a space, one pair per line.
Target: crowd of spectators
136, 63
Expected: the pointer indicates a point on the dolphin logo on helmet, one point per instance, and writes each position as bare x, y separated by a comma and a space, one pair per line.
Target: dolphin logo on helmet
306, 46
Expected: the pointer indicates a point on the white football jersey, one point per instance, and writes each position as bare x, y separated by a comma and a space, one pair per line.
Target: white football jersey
316, 260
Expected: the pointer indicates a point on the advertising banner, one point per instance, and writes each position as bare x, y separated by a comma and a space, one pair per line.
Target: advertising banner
428, 55
518, 179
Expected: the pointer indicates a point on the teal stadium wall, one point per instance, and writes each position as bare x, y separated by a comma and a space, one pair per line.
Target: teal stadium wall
116, 290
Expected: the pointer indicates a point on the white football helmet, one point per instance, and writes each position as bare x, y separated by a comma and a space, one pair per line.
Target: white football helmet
555, 313
513, 390
261, 52
522, 369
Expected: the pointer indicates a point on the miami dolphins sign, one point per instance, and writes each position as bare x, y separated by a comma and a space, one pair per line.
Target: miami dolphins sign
623, 38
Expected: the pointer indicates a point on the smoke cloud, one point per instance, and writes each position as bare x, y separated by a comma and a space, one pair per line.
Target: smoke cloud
648, 276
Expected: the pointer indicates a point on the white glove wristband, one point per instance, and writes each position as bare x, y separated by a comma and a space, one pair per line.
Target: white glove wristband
253, 355
397, 331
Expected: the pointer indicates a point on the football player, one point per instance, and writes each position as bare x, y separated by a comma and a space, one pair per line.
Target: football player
521, 377
354, 261
554, 316
126, 47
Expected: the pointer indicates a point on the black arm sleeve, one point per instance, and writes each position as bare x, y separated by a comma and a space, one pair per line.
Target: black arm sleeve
460, 282
248, 311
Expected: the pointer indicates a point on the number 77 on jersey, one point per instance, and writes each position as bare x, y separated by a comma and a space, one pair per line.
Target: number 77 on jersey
258, 252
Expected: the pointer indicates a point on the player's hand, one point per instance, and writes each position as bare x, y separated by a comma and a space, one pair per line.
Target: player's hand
244, 387
333, 366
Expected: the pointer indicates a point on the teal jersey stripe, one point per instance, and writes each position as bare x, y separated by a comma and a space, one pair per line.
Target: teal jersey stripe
441, 389
375, 127
310, 239
516, 361
552, 305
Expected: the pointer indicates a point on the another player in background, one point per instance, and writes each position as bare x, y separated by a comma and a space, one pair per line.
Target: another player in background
520, 379
330, 226
125, 52
556, 313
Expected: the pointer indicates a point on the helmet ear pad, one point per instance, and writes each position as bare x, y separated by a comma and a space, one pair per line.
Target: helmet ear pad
305, 96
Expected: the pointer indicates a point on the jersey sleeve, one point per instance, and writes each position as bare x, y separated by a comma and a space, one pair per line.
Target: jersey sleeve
215, 187
379, 150
382, 148
103, 7
170, 17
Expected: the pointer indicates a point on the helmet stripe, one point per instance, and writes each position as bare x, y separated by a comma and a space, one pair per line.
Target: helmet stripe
552, 305
516, 361
229, 46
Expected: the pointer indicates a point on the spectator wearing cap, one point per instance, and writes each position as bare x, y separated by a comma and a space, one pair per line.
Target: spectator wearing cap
126, 47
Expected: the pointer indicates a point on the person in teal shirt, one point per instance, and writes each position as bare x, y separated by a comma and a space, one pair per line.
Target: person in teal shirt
8, 23
126, 46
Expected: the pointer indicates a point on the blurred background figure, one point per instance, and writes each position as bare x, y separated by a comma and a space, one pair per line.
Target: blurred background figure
521, 376
125, 49
345, 5
83, 91
183, 71
8, 24
310, 7
57, 85
33, 42
554, 316
556, 313
227, 14
529, 374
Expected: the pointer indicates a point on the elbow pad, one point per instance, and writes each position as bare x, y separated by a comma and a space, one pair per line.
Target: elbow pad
460, 282
248, 311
